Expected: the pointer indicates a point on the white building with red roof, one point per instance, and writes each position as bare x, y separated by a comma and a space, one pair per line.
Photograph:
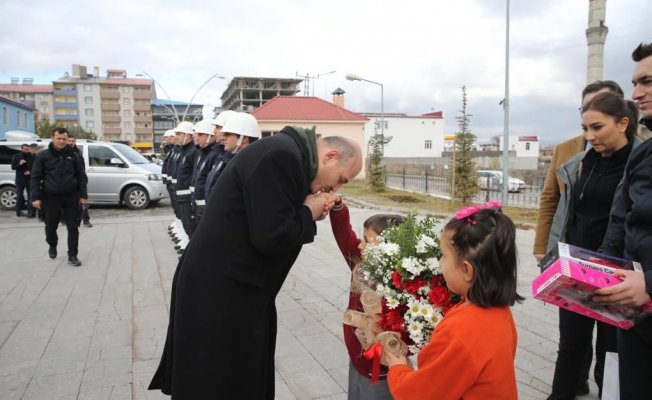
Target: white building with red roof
330, 119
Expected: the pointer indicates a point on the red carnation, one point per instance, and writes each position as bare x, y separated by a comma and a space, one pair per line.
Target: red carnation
439, 296
396, 280
413, 286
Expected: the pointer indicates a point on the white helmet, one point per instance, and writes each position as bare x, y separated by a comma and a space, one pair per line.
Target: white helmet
169, 132
222, 117
242, 124
204, 126
184, 127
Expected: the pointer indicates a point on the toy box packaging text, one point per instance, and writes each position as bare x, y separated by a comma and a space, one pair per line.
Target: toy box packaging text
571, 274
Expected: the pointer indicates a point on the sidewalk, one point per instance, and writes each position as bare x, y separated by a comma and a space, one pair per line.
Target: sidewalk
97, 332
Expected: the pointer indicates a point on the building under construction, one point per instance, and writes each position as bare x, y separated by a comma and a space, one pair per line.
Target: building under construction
248, 93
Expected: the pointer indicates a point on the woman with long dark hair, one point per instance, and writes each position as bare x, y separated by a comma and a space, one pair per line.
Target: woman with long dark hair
590, 179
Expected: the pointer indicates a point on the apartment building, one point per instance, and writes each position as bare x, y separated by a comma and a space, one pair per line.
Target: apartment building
248, 93
38, 97
114, 106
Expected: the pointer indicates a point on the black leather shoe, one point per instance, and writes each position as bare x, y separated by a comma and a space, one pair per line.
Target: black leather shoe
74, 261
31, 216
88, 224
19, 214
52, 252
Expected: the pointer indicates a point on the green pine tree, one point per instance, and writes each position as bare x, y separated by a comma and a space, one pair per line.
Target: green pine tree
375, 169
465, 175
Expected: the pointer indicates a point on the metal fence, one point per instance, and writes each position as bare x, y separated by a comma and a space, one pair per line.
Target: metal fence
437, 182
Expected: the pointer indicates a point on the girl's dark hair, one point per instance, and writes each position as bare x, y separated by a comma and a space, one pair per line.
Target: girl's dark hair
379, 222
616, 107
597, 86
486, 239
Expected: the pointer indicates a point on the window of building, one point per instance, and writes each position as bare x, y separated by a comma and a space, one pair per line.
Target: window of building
88, 99
127, 113
25, 120
126, 101
5, 115
90, 124
126, 89
428, 144
379, 124
89, 112
88, 88
18, 119
527, 146
127, 125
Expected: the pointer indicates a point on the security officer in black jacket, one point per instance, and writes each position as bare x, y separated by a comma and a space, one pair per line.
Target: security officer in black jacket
184, 169
22, 164
64, 189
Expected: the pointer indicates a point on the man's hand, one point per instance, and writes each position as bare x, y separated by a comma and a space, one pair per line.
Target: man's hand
317, 204
21, 162
630, 292
26, 173
538, 257
36, 204
83, 201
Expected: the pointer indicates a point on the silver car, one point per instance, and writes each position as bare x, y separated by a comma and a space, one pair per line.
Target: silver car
117, 174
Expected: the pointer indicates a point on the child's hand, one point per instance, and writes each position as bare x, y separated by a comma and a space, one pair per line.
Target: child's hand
390, 359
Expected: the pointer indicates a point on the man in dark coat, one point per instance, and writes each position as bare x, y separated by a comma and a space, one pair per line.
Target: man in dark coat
22, 164
630, 236
222, 331
64, 188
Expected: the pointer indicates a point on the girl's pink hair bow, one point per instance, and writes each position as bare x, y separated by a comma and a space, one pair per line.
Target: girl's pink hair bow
466, 212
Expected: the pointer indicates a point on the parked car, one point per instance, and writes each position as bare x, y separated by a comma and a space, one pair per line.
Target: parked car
117, 174
494, 181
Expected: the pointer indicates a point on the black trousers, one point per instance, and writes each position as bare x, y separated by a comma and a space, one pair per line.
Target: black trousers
575, 343
187, 217
55, 207
22, 202
173, 199
635, 361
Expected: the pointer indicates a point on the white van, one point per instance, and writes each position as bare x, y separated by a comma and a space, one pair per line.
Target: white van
117, 174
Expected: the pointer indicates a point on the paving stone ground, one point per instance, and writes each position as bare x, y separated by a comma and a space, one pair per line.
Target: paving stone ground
97, 332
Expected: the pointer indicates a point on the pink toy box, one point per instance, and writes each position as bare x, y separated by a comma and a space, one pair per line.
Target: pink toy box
571, 274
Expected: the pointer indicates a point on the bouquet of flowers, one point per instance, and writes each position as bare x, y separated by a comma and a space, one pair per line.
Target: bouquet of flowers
402, 272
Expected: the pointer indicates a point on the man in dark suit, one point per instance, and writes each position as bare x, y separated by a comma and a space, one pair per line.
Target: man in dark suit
222, 332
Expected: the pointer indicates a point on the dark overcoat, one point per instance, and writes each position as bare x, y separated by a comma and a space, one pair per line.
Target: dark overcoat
222, 331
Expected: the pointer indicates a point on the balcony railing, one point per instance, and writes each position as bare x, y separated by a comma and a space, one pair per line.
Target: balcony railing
110, 118
143, 131
142, 107
143, 119
110, 94
112, 131
142, 95
110, 107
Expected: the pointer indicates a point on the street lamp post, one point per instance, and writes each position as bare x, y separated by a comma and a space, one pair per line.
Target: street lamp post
197, 91
173, 109
352, 77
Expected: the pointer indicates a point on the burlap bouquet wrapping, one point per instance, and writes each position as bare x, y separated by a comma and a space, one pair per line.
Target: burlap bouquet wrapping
368, 330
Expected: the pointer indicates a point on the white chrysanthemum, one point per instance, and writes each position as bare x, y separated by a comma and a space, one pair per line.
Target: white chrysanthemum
390, 249
424, 290
426, 311
392, 302
432, 264
415, 330
427, 240
421, 247
414, 306
414, 349
412, 265
435, 317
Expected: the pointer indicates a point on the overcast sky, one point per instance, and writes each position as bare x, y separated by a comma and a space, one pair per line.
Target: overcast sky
422, 51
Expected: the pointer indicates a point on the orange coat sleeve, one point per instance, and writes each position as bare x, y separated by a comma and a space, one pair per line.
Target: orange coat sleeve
447, 369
